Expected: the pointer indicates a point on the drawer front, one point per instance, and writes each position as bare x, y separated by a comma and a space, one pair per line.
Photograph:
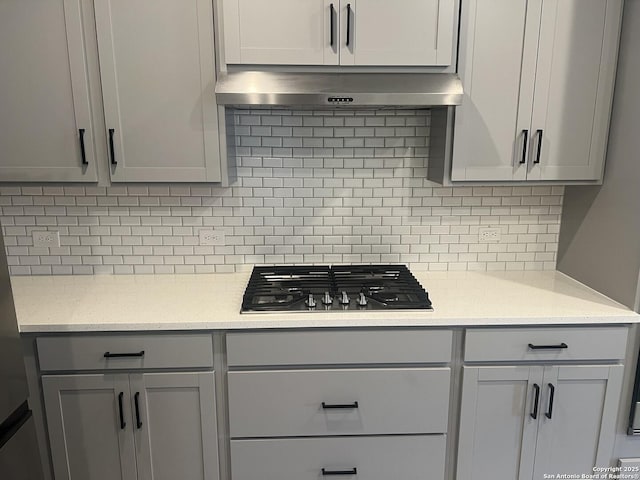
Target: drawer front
338, 347
545, 344
287, 403
113, 352
373, 458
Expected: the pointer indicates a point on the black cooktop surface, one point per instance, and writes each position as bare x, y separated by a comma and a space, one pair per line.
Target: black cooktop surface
341, 287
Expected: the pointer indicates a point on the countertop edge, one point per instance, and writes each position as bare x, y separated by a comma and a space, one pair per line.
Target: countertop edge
296, 324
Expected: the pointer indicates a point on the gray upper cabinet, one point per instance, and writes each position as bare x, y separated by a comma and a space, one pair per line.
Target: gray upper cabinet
44, 99
158, 77
538, 79
339, 32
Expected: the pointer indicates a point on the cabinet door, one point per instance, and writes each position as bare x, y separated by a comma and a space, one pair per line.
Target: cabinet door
497, 428
402, 32
281, 32
574, 88
87, 438
175, 426
157, 68
44, 97
581, 431
498, 50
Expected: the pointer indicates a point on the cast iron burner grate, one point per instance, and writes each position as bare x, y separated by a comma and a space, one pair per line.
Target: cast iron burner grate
341, 287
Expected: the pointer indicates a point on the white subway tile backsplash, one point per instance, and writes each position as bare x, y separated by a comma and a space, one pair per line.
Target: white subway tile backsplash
313, 187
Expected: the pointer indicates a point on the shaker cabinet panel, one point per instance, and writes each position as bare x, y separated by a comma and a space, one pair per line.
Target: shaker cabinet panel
574, 85
157, 69
339, 32
402, 32
90, 426
175, 426
497, 429
285, 32
283, 403
577, 428
498, 49
44, 97
538, 79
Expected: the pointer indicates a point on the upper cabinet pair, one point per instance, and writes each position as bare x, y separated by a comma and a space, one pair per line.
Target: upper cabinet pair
339, 32
538, 79
153, 62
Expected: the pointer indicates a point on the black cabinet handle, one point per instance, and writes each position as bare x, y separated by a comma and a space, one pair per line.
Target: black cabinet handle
525, 134
136, 401
348, 24
536, 400
548, 347
122, 422
332, 13
111, 147
336, 406
327, 473
552, 391
124, 355
83, 153
540, 133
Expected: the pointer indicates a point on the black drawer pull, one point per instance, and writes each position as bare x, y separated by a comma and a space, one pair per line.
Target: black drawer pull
548, 347
525, 142
540, 134
348, 24
351, 471
552, 391
136, 399
124, 355
122, 422
337, 406
536, 400
112, 149
332, 13
83, 152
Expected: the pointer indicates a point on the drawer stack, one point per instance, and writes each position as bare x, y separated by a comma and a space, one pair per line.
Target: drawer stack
305, 405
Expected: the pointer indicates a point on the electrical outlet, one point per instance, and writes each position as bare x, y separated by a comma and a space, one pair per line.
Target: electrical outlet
46, 239
489, 235
212, 237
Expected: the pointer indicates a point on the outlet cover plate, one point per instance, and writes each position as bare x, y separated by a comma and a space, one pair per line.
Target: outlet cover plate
46, 239
212, 237
489, 235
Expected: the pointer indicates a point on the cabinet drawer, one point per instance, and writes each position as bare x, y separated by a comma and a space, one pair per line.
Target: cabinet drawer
377, 401
374, 458
338, 347
545, 344
92, 352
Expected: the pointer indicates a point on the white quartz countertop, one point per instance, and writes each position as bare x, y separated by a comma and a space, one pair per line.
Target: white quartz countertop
212, 302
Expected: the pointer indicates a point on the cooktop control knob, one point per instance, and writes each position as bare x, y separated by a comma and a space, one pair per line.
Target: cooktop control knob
326, 299
344, 299
362, 301
311, 302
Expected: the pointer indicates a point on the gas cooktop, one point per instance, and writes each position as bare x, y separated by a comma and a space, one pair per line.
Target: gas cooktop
341, 287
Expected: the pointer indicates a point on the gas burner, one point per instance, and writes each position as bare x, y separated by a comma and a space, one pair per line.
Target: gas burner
341, 287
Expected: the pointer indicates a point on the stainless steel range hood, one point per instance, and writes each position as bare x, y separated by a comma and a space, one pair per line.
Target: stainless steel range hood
419, 90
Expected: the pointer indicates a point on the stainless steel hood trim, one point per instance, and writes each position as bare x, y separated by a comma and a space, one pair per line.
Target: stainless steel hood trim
339, 89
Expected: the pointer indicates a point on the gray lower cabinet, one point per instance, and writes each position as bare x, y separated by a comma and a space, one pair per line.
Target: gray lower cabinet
365, 458
520, 422
146, 426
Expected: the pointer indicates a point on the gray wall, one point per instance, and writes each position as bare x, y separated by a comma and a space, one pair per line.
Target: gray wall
600, 234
